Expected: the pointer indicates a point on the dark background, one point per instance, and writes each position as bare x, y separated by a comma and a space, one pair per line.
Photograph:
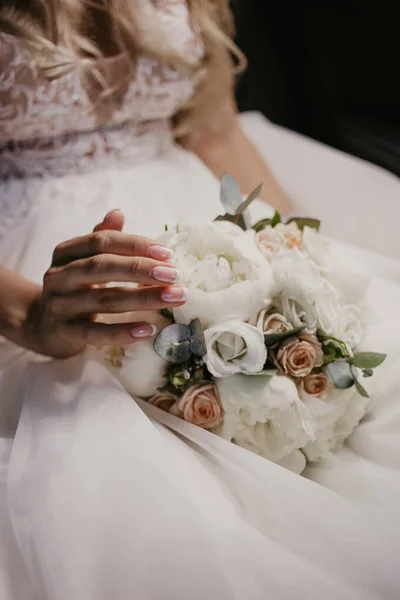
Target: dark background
327, 69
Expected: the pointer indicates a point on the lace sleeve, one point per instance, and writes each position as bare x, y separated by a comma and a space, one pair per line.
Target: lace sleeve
32, 107
17, 80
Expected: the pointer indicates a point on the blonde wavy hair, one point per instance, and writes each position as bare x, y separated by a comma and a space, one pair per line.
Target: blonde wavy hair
71, 34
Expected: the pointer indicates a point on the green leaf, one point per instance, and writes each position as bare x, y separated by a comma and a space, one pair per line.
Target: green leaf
303, 222
340, 374
197, 342
271, 339
261, 225
236, 219
361, 389
165, 227
367, 360
168, 314
276, 219
231, 196
245, 205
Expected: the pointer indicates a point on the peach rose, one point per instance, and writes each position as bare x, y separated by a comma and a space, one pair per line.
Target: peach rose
316, 385
165, 401
202, 406
299, 356
272, 240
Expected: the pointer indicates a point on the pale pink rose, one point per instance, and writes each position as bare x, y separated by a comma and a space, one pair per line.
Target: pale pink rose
164, 400
312, 339
201, 406
316, 385
268, 322
272, 240
299, 356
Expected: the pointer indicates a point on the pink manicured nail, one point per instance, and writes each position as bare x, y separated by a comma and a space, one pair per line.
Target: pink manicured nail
143, 331
165, 274
174, 294
160, 253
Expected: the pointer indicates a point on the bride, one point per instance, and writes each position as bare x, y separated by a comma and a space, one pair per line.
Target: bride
101, 498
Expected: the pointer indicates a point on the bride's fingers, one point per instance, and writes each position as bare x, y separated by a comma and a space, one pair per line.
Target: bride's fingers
114, 301
105, 268
113, 220
100, 334
109, 242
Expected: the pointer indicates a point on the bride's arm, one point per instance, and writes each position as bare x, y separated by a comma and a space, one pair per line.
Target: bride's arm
17, 295
229, 150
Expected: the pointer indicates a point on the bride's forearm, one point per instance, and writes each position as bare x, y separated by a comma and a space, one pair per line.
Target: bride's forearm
235, 154
16, 298
225, 148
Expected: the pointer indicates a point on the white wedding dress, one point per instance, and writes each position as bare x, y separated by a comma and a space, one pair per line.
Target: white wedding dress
102, 497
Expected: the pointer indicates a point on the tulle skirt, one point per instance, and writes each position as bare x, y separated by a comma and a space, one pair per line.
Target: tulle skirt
105, 497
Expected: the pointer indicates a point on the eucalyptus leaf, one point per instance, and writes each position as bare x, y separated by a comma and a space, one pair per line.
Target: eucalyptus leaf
361, 389
173, 343
245, 205
368, 373
271, 339
197, 342
340, 374
303, 222
231, 196
367, 360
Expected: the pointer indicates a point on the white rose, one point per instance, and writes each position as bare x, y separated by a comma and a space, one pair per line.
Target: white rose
270, 322
298, 283
305, 297
264, 415
234, 347
223, 270
273, 240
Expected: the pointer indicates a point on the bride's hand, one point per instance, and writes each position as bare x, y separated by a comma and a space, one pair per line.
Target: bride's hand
61, 321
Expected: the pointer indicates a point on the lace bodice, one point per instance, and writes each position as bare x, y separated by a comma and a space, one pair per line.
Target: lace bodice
55, 127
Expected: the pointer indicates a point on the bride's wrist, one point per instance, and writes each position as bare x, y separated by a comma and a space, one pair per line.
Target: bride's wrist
18, 297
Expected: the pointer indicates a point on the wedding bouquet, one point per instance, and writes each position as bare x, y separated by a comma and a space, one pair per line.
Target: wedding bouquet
264, 352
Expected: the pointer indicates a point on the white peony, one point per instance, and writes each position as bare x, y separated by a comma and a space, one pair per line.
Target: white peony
336, 418
265, 415
223, 270
348, 276
142, 371
234, 347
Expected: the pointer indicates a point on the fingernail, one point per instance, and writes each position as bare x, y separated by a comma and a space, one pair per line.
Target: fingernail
174, 294
165, 274
160, 253
143, 331
110, 213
